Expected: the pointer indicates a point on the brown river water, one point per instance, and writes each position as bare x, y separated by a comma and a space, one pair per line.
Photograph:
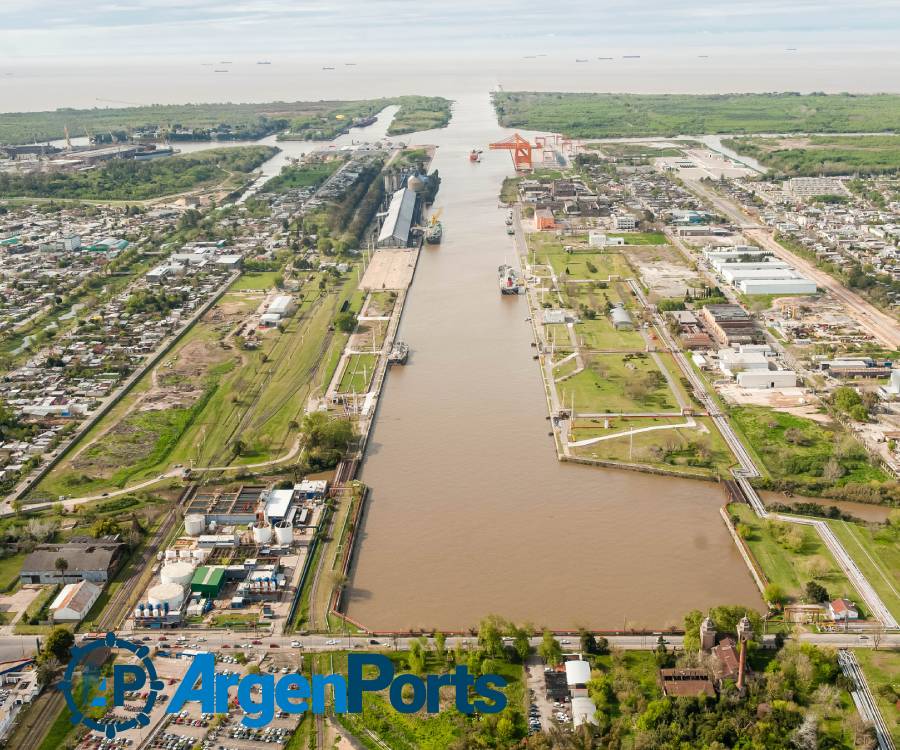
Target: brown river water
470, 512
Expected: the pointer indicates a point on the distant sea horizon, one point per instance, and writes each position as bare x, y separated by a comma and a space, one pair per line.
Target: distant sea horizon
46, 84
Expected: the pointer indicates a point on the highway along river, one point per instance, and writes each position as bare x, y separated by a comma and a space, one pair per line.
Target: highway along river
470, 513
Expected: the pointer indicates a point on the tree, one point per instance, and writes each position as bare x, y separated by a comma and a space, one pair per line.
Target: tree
588, 641
815, 592
440, 646
58, 645
345, 322
253, 669
550, 650
774, 594
490, 635
61, 565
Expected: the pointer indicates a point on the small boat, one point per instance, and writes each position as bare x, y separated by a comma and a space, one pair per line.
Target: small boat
631, 57
327, 67
399, 353
509, 280
434, 233
263, 62
219, 70
580, 59
510, 229
475, 155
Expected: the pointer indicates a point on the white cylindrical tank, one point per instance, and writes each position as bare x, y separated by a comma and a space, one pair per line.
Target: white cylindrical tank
194, 524
138, 611
160, 555
262, 534
171, 554
177, 572
184, 554
199, 554
212, 527
284, 532
166, 593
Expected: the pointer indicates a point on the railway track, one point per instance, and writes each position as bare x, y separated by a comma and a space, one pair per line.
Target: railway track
38, 719
120, 603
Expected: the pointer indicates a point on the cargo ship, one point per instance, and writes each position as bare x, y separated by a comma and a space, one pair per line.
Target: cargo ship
434, 233
509, 279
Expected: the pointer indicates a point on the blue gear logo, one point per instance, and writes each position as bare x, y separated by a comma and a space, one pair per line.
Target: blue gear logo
144, 675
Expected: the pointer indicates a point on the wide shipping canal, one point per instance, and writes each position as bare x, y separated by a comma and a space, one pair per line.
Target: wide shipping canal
470, 512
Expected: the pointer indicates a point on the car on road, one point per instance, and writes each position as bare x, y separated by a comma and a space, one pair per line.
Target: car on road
256, 643
273, 645
296, 644
373, 642
331, 642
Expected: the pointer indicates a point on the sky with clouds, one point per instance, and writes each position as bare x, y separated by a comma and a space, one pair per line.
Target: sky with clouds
120, 28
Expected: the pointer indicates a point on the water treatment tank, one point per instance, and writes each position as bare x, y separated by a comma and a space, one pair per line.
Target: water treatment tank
166, 593
194, 523
177, 572
262, 533
284, 532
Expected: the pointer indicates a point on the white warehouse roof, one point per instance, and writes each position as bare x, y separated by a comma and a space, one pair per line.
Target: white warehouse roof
399, 217
583, 710
578, 672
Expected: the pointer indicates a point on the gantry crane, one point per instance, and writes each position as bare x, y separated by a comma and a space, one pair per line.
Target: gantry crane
520, 148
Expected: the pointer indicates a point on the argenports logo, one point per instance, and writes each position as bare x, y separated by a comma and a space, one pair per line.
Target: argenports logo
259, 696
98, 691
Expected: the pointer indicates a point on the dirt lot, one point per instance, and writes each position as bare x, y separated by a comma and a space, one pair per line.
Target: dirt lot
389, 269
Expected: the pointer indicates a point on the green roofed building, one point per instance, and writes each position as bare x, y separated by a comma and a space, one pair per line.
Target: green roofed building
208, 581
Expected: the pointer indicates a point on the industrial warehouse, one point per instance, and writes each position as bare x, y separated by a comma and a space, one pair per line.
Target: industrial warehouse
242, 549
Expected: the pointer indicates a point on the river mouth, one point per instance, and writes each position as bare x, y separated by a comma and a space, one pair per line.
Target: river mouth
470, 512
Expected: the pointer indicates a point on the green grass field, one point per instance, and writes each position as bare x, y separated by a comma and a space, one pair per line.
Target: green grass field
876, 550
606, 385
882, 670
790, 568
358, 373
641, 238
254, 281
701, 452
9, 570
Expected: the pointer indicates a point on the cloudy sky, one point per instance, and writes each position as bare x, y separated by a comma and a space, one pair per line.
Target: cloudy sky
145, 28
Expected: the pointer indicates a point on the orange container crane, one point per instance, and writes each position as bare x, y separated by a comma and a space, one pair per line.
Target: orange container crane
520, 148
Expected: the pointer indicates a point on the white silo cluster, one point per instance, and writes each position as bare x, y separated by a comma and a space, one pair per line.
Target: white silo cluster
284, 532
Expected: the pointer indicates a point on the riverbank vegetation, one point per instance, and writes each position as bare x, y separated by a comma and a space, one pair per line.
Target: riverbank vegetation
583, 115
414, 113
125, 179
822, 155
813, 458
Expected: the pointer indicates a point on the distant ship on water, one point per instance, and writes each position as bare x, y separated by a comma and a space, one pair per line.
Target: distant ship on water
263, 62
606, 58
219, 70
580, 59
327, 67
631, 57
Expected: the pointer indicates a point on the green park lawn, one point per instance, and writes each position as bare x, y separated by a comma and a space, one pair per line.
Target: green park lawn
687, 450
789, 567
358, 373
618, 383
